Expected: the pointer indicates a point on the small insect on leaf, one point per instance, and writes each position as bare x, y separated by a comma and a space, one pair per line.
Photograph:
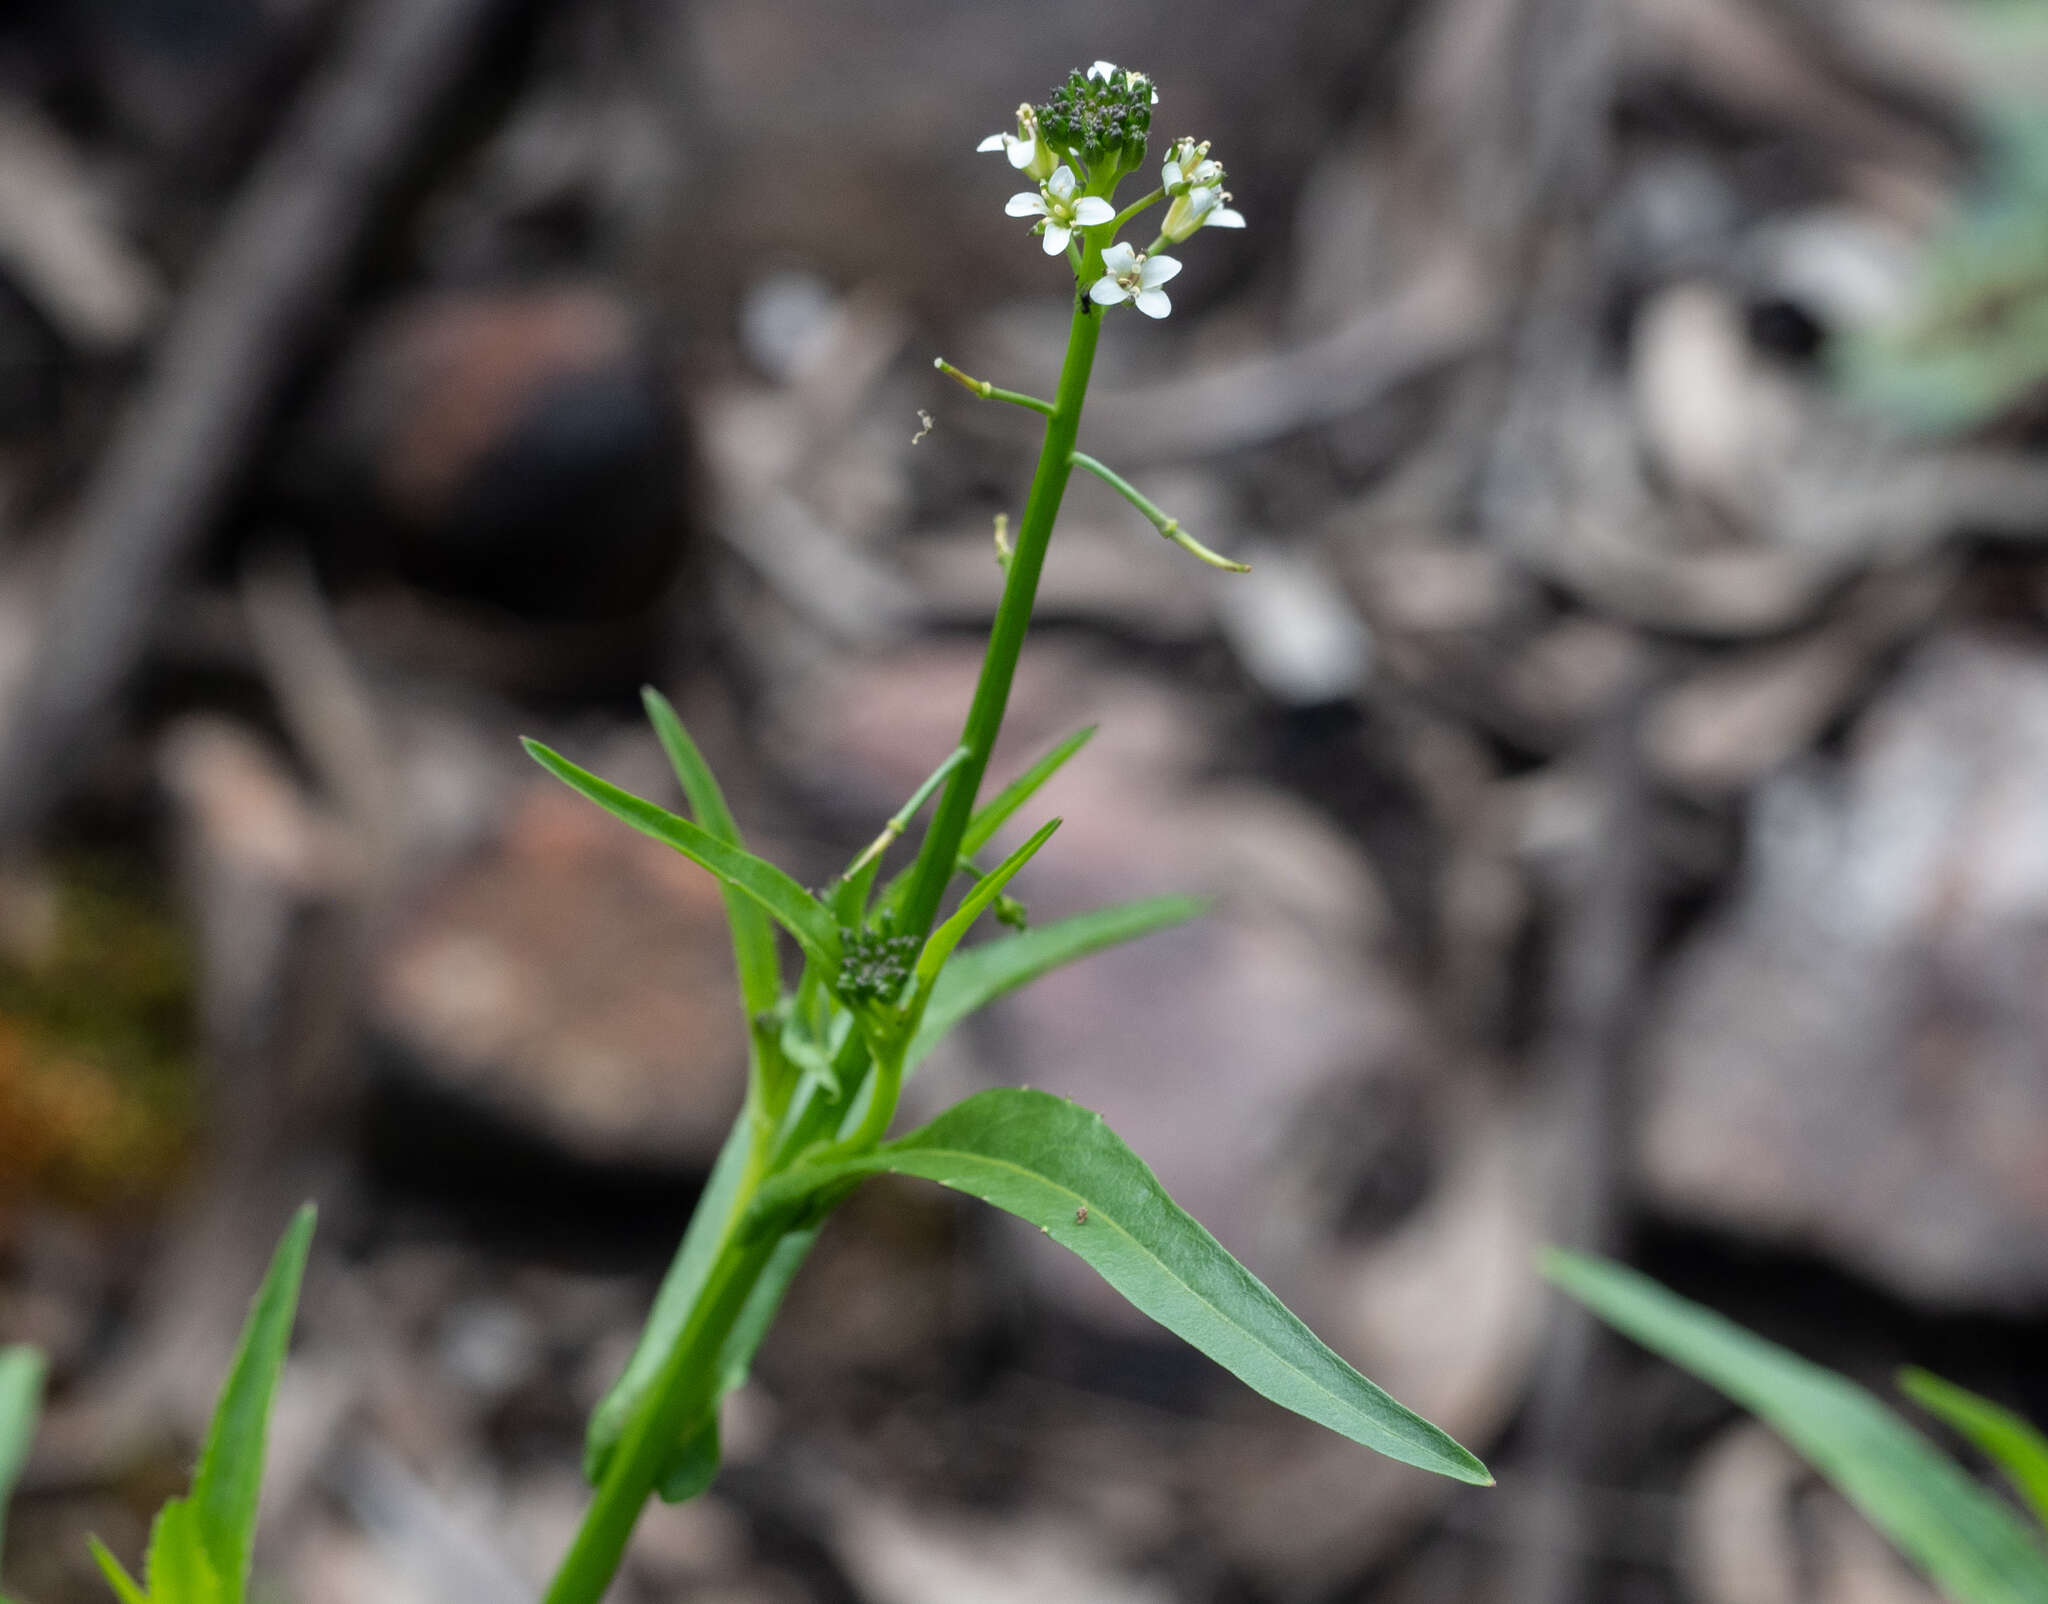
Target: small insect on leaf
1081, 1215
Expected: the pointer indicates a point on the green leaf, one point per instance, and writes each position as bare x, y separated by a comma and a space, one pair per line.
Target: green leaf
230, 1475
981, 974
939, 945
124, 1585
695, 1463
995, 813
2007, 1439
794, 908
180, 1568
753, 937
1963, 1536
21, 1397
680, 1289
1058, 1166
693, 1467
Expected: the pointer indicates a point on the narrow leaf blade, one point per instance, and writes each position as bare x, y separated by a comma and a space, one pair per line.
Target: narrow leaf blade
939, 945
996, 812
2008, 1440
125, 1587
179, 1568
794, 908
1058, 1166
1963, 1536
21, 1398
980, 975
230, 1475
694, 1465
753, 937
678, 1294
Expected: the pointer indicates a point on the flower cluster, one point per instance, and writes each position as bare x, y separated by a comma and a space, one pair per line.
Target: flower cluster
1095, 124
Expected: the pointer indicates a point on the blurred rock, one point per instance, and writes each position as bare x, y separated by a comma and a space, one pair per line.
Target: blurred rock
515, 446
575, 980
1294, 629
1849, 1058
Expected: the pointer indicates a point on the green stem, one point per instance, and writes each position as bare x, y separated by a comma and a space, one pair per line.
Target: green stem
1117, 222
1013, 614
989, 392
685, 1386
1169, 527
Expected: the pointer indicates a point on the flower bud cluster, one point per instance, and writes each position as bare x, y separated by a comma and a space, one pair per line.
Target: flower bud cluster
873, 963
1101, 115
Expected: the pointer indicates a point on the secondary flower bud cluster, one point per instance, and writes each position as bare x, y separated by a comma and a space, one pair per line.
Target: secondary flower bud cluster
1088, 133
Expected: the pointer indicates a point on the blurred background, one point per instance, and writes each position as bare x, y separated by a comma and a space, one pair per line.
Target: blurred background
1623, 777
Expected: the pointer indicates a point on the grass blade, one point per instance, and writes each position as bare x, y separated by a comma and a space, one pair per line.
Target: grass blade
1963, 1536
1058, 1166
2008, 1440
21, 1398
981, 974
794, 908
753, 937
230, 1475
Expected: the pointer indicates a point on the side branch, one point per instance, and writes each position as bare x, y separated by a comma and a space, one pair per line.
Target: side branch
989, 392
1169, 527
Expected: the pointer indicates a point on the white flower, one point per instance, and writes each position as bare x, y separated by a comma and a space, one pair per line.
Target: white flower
1199, 208
1103, 70
1023, 148
1128, 276
1188, 167
1199, 198
1062, 210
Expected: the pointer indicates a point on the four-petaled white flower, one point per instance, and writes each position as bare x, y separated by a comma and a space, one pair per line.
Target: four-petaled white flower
1129, 276
1062, 210
1026, 151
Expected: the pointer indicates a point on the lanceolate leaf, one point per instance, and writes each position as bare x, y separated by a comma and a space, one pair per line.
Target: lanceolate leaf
978, 975
793, 907
1962, 1535
995, 813
753, 937
672, 1304
21, 1396
696, 1460
124, 1586
2007, 1439
230, 1475
181, 1570
940, 943
1058, 1166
